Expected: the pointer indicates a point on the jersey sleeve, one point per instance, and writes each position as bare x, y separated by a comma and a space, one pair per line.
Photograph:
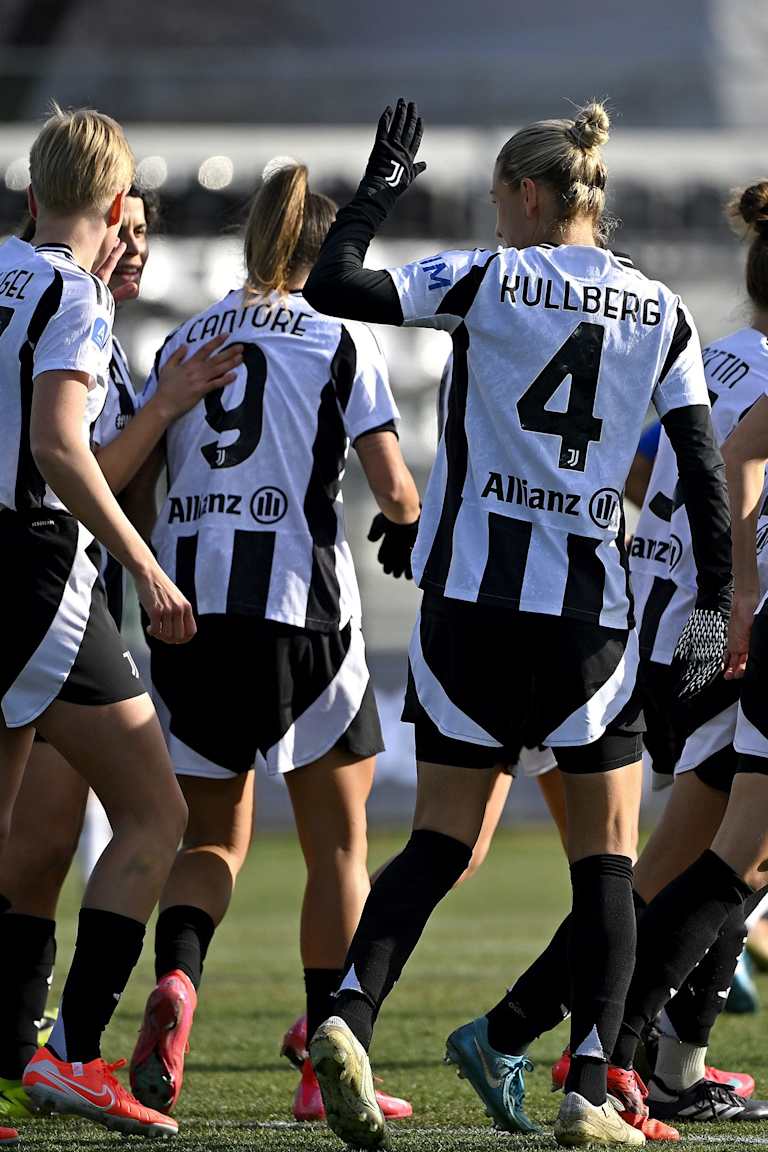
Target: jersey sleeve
78, 337
681, 381
440, 289
370, 404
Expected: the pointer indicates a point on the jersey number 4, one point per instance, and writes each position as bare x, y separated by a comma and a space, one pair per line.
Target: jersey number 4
246, 418
577, 426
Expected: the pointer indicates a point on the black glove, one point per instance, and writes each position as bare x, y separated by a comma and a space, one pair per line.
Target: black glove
396, 545
392, 164
700, 652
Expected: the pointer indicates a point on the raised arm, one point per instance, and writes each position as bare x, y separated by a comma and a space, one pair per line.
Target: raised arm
745, 453
338, 284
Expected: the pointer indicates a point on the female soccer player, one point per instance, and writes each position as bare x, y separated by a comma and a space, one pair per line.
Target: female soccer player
696, 744
64, 668
559, 346
253, 530
53, 795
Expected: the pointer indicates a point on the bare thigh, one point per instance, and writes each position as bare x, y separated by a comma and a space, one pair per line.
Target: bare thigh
453, 800
685, 829
603, 811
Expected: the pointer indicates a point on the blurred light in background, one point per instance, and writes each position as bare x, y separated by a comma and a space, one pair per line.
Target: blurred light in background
17, 175
157, 280
223, 268
216, 173
151, 172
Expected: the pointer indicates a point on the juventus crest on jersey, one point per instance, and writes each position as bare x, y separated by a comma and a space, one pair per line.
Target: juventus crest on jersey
53, 317
557, 353
253, 520
661, 558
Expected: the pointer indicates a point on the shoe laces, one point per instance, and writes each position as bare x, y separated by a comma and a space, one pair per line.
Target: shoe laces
110, 1069
715, 1094
513, 1089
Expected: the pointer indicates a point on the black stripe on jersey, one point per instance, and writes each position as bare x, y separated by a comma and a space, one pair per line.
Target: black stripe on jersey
117, 367
345, 361
621, 544
659, 598
456, 302
324, 597
251, 571
508, 544
461, 296
30, 486
186, 562
62, 249
585, 582
680, 338
99, 289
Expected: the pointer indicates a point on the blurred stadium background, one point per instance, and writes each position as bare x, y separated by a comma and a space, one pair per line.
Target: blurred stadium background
211, 92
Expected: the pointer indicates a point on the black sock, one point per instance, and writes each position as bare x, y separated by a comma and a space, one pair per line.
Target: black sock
182, 938
601, 957
108, 947
537, 1002
678, 927
395, 914
692, 1012
27, 955
541, 998
320, 984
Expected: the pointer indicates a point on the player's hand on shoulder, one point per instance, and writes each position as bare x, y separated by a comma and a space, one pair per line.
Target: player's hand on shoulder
185, 379
397, 541
127, 291
739, 631
170, 614
392, 164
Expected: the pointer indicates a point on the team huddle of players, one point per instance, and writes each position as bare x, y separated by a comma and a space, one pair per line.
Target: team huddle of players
254, 624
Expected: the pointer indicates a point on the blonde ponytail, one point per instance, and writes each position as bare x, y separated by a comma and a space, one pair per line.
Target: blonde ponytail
286, 227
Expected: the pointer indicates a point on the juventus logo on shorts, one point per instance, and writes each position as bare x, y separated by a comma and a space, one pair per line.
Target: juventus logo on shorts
132, 662
395, 175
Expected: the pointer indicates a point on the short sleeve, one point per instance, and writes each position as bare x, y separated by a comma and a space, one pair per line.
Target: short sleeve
681, 381
366, 401
121, 404
440, 289
78, 337
649, 441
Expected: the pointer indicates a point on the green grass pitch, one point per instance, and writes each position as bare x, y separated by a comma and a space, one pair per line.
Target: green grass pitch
237, 1091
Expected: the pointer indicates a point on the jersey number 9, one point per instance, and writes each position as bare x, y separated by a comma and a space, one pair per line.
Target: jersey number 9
246, 418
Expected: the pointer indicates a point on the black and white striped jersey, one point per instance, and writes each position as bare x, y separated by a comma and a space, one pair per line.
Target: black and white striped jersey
557, 353
253, 522
122, 400
661, 557
120, 407
53, 317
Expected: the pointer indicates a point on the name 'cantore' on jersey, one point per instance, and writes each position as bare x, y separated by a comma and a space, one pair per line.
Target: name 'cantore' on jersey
557, 353
253, 522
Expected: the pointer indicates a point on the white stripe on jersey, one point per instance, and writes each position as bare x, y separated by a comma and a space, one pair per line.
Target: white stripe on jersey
53, 317
661, 558
253, 522
557, 354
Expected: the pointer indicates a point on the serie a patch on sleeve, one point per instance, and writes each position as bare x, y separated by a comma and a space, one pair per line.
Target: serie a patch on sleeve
100, 332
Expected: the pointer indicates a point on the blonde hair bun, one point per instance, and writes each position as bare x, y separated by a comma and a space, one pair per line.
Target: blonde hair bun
590, 128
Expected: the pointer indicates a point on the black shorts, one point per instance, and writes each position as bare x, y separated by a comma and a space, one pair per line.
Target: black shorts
60, 641
751, 738
695, 737
484, 683
245, 685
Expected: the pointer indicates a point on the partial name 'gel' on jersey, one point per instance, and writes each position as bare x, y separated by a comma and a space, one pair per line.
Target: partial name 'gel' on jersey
53, 317
661, 556
557, 353
253, 522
